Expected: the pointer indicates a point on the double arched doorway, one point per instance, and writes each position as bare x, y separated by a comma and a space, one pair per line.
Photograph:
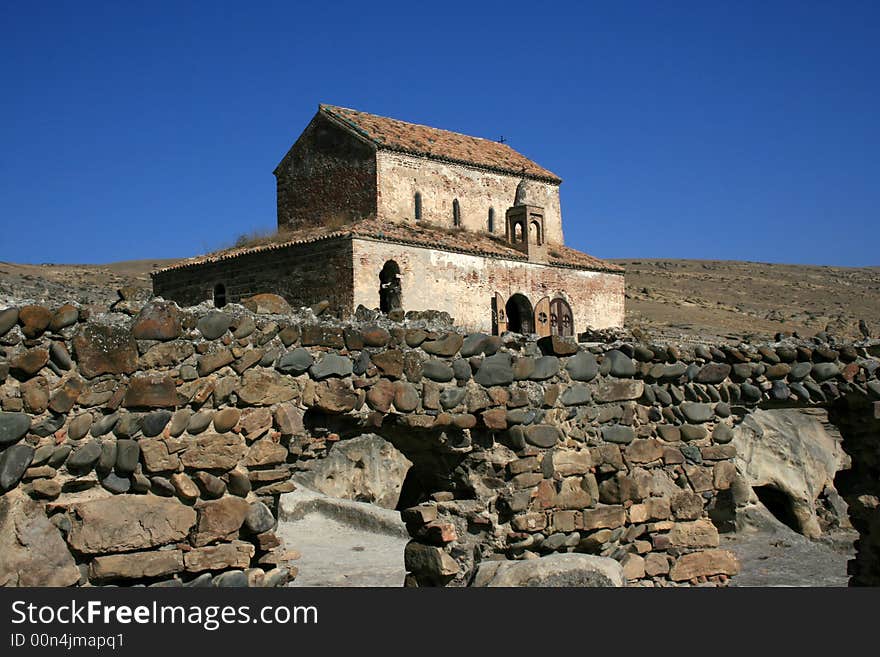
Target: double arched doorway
517, 314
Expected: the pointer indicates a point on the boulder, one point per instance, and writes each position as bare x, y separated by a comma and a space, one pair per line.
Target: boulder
128, 522
159, 320
365, 469
105, 349
556, 570
34, 552
790, 451
267, 303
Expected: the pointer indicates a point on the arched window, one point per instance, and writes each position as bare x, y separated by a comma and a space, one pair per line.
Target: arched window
517, 233
417, 199
219, 295
456, 213
491, 220
389, 287
535, 233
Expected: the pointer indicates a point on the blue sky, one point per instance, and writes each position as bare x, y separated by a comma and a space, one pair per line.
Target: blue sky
737, 130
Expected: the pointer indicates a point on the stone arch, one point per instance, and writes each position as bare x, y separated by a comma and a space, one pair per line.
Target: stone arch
535, 236
219, 295
520, 315
390, 289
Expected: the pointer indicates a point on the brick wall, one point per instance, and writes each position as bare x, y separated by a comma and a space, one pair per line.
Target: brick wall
303, 274
327, 176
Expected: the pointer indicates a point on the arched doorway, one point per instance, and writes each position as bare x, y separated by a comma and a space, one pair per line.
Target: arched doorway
561, 318
389, 287
520, 317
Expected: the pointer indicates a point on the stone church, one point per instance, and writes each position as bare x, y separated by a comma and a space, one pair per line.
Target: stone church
400, 216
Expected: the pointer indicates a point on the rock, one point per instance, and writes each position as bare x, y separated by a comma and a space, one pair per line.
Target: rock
494, 371
84, 458
128, 522
259, 518
210, 486
289, 419
621, 364
790, 451
406, 397
693, 432
14, 460
335, 396
105, 349
323, 336
158, 320
713, 373
555, 345
800, 370
546, 367
219, 519
66, 395
722, 434
704, 564
214, 360
60, 356
618, 433
265, 452
213, 452
576, 395
697, 412
8, 319
34, 320
295, 362
542, 435
231, 579
13, 427
236, 554
266, 303
472, 345
116, 484
447, 346
226, 419
136, 565
824, 371
33, 549
166, 354
214, 324
429, 563
29, 362
390, 363
128, 455
265, 388
150, 391
695, 534
184, 487
200, 421
331, 365
555, 570
152, 424
610, 390
366, 468
440, 371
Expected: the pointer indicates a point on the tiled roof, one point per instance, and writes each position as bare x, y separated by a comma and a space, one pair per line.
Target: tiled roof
435, 143
421, 235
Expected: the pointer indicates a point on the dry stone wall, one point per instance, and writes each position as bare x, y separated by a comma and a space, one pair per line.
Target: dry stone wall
151, 448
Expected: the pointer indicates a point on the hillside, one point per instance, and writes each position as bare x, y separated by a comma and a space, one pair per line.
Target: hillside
706, 297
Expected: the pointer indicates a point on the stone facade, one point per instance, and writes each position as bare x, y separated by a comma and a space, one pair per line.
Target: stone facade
153, 448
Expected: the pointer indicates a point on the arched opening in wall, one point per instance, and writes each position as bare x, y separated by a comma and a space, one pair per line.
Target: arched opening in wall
519, 314
491, 223
390, 287
561, 318
417, 202
535, 233
456, 213
779, 504
517, 233
219, 295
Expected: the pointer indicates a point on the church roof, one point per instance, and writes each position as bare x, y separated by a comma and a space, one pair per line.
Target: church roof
434, 143
455, 240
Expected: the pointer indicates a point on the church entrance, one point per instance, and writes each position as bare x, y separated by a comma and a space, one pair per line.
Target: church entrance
520, 318
389, 287
561, 318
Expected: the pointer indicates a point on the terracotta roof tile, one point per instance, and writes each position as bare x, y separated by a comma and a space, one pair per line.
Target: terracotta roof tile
426, 236
391, 134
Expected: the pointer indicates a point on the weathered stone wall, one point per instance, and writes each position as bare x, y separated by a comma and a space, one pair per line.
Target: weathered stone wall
327, 177
400, 176
464, 285
304, 274
157, 445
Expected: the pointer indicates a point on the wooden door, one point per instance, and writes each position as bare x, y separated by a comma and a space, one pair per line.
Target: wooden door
499, 315
542, 317
561, 318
